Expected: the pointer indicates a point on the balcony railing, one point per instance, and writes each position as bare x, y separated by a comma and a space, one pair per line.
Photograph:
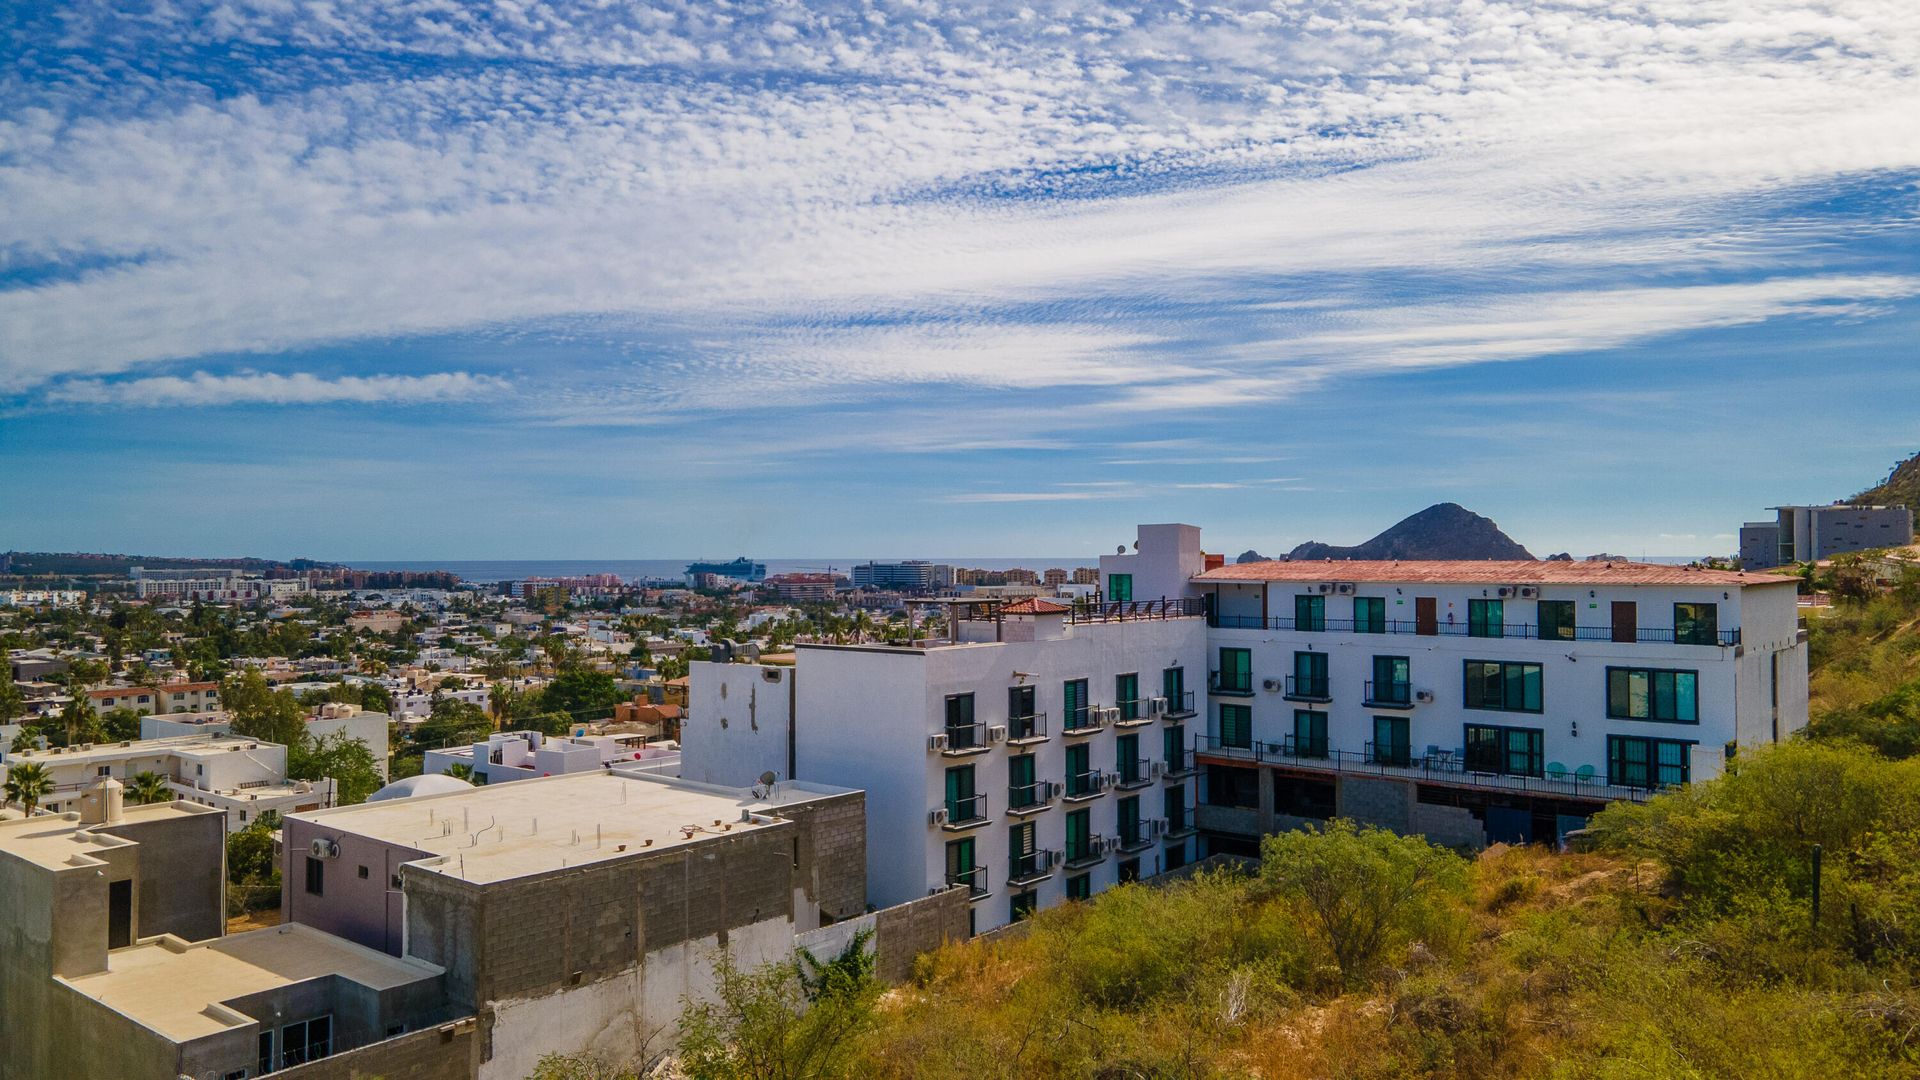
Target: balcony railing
1181, 820
966, 739
1435, 765
1388, 695
1026, 798
1087, 854
1030, 728
1180, 704
966, 812
974, 881
1086, 785
1134, 773
1133, 711
1301, 688
1223, 683
1179, 764
1084, 720
1533, 631
1032, 867
1135, 610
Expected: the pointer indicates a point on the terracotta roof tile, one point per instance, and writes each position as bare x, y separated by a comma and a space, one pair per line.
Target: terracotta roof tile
1470, 572
1033, 605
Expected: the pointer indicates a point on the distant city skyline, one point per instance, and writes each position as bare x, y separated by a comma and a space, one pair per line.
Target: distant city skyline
450, 282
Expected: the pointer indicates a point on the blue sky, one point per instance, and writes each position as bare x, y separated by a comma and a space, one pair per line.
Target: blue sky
415, 279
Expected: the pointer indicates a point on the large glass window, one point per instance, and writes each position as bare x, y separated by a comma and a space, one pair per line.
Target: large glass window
1696, 624
1392, 740
308, 1040
1236, 671
1647, 763
1022, 719
1309, 613
1120, 587
1236, 726
1512, 751
1486, 618
1652, 694
1079, 769
961, 733
1392, 681
1077, 705
1173, 684
1369, 615
1079, 835
1309, 675
1126, 695
1556, 620
1309, 733
963, 802
1496, 684
1023, 787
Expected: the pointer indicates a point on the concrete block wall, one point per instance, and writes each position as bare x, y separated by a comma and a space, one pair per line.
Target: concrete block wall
830, 868
1382, 802
1449, 826
448, 1052
904, 931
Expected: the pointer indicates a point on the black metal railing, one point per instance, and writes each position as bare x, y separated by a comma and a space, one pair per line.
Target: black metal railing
1529, 631
1033, 866
966, 736
1308, 688
1098, 611
1085, 785
1134, 772
974, 881
1435, 764
1230, 683
1387, 695
1027, 796
1180, 704
1180, 762
967, 810
1091, 851
1032, 726
1080, 721
1133, 834
1181, 818
1132, 710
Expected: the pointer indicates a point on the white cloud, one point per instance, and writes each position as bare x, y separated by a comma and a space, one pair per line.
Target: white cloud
262, 388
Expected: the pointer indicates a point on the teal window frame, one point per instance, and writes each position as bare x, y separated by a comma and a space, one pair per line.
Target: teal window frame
1310, 675
1236, 726
1393, 679
1079, 769
1309, 612
1126, 754
1486, 618
1120, 588
1077, 705
1656, 695
1392, 741
1639, 761
1023, 781
1309, 733
1369, 614
1557, 620
962, 794
1504, 751
1079, 835
1503, 686
1126, 695
1696, 623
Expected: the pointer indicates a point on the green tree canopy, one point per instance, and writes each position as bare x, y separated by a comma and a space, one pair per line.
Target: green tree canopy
342, 758
259, 711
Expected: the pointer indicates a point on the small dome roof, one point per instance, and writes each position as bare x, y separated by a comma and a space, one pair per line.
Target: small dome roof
425, 784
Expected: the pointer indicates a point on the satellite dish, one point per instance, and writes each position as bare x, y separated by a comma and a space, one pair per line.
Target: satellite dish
1120, 550
767, 778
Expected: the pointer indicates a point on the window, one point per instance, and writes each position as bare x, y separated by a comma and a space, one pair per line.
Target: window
1391, 740
1021, 721
1079, 770
960, 729
1077, 705
316, 876
1021, 849
1080, 887
1309, 675
1648, 694
1507, 750
363, 873
1020, 906
1230, 786
103, 770
1556, 620
962, 802
308, 1040
1309, 733
265, 1058
1236, 671
1309, 613
1173, 747
1495, 684
1126, 694
1022, 789
1120, 587
1173, 804
1129, 870
1369, 615
1392, 680
1173, 684
1129, 820
1696, 624
1127, 763
1647, 763
1486, 618
1236, 726
1079, 835
960, 865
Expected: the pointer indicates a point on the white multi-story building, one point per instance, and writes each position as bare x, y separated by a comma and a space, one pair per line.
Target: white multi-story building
241, 776
367, 728
524, 755
223, 586
1037, 753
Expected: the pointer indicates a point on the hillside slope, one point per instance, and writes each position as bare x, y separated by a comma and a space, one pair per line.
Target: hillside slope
1441, 531
1901, 487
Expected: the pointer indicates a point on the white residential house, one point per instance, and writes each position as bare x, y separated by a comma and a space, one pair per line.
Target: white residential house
241, 776
368, 728
523, 755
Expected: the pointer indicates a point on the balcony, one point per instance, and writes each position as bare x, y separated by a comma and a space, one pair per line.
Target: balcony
974, 881
1027, 730
1180, 765
1134, 713
1309, 689
1182, 821
1134, 773
1387, 695
1434, 766
1188, 607
1179, 706
1237, 685
1091, 853
1031, 869
961, 740
961, 814
1024, 799
1140, 835
1082, 786
1525, 631
1086, 720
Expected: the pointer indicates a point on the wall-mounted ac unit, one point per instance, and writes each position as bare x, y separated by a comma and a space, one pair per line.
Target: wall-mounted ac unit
938, 816
936, 743
1504, 591
1529, 592
1050, 791
1157, 770
1272, 684
1107, 715
1344, 588
322, 848
1049, 859
1157, 827
1156, 706
1325, 587
997, 733
1425, 697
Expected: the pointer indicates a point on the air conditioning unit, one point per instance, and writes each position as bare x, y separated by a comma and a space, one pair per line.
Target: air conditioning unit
1109, 843
1529, 592
1157, 770
936, 743
322, 848
997, 733
1156, 706
1049, 859
1272, 684
1425, 697
1049, 791
1344, 588
1106, 715
1325, 587
1504, 591
938, 816
1157, 827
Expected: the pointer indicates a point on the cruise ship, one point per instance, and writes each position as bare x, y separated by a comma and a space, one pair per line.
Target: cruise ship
740, 569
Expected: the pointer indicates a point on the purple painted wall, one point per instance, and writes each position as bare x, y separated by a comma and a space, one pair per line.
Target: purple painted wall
368, 909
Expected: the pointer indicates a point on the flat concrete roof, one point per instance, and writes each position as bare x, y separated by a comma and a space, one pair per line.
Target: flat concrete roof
172, 986
55, 840
498, 832
195, 745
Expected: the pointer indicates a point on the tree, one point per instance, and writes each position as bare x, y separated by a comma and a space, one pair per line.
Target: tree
120, 725
784, 1022
347, 761
460, 772
261, 712
582, 695
253, 875
578, 1067
27, 783
451, 723
148, 787
13, 704
80, 722
1360, 888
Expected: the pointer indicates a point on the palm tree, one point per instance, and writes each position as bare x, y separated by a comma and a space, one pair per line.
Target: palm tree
148, 787
461, 772
27, 784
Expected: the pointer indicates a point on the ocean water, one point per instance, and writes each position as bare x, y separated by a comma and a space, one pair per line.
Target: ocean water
492, 570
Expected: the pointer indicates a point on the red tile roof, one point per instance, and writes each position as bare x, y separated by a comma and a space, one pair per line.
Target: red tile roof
1470, 572
1033, 605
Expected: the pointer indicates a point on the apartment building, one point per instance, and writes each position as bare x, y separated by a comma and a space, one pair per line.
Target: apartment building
239, 776
1037, 753
1483, 701
221, 586
1812, 533
182, 697
368, 728
525, 755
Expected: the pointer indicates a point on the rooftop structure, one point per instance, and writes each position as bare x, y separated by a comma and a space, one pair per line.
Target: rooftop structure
242, 776
1815, 533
